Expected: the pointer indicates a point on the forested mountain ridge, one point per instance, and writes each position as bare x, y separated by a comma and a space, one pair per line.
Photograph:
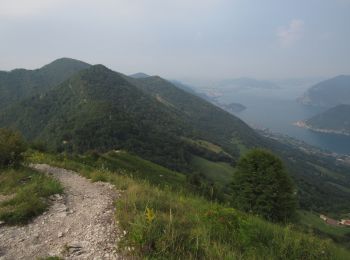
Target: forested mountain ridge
21, 83
98, 109
214, 123
328, 93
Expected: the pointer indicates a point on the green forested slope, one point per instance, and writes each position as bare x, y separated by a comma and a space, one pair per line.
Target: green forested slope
21, 83
98, 109
215, 124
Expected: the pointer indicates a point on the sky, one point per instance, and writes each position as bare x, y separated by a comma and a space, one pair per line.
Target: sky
207, 39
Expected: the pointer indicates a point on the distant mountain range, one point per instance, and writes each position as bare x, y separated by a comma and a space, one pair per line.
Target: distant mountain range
335, 120
328, 93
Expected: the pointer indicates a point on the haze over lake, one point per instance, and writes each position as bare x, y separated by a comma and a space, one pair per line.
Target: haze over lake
278, 109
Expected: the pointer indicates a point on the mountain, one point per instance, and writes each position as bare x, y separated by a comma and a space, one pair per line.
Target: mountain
214, 124
139, 75
98, 109
328, 93
334, 120
231, 108
21, 83
183, 86
102, 110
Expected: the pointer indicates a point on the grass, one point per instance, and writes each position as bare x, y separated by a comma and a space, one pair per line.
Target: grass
206, 145
162, 223
140, 168
314, 224
187, 227
123, 162
29, 190
220, 172
241, 147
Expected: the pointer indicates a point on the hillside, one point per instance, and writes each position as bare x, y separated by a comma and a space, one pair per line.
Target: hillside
163, 223
227, 131
98, 109
20, 83
329, 93
214, 124
101, 110
335, 120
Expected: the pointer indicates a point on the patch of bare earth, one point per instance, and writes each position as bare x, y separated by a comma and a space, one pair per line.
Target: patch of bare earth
79, 224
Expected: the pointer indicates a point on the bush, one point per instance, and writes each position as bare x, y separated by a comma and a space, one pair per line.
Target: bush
262, 186
12, 148
39, 146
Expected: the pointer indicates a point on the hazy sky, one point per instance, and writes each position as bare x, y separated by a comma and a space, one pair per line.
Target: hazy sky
181, 38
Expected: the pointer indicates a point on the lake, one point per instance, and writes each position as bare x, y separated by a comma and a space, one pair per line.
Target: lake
270, 109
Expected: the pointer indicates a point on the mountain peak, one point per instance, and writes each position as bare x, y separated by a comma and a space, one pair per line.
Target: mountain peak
139, 75
66, 62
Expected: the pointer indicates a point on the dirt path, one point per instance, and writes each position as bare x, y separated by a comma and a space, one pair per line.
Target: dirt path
78, 225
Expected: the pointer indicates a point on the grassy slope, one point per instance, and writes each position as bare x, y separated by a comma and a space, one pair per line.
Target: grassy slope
163, 223
312, 222
219, 172
139, 168
29, 191
206, 145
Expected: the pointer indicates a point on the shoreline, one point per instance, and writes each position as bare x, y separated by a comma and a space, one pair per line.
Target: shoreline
303, 124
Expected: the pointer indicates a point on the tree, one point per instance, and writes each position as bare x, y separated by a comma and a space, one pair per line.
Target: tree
12, 147
262, 186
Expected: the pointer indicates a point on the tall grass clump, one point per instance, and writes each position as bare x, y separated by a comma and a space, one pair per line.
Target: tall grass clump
29, 191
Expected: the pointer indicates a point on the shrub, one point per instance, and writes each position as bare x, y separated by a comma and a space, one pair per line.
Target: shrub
262, 186
12, 148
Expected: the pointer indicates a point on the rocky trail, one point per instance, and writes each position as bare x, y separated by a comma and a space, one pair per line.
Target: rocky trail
80, 224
